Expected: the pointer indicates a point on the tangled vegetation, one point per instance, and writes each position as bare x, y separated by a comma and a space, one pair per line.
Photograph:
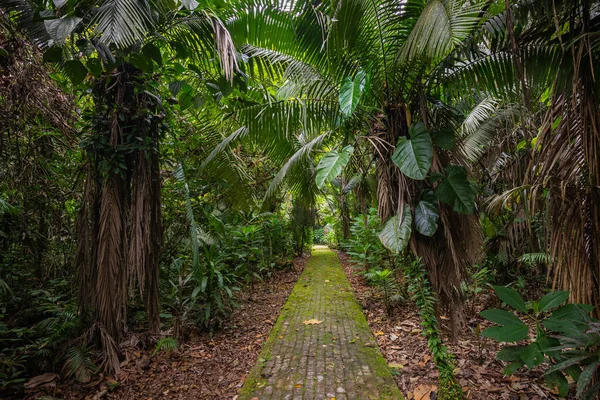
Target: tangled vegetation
159, 157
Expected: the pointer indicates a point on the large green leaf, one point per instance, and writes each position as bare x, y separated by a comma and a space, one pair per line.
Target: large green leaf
501, 317
413, 156
59, 29
456, 190
75, 71
509, 333
532, 355
395, 233
554, 299
331, 165
511, 297
427, 214
351, 91
510, 353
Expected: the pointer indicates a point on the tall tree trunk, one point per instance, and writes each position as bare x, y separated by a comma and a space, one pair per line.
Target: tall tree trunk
456, 243
120, 223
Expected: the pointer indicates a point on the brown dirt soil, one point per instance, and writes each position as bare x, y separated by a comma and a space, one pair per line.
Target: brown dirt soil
205, 366
477, 370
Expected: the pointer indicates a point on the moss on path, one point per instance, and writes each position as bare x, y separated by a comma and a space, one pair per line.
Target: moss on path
334, 358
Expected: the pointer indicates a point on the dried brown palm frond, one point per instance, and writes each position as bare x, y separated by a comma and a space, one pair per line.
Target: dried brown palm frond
567, 165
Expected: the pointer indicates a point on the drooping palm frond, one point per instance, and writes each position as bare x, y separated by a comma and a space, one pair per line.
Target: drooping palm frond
302, 155
441, 27
123, 22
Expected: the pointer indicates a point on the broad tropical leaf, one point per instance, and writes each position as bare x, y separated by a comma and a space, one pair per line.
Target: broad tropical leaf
427, 214
395, 233
509, 333
511, 297
552, 300
456, 190
75, 71
413, 156
59, 29
331, 165
502, 317
351, 91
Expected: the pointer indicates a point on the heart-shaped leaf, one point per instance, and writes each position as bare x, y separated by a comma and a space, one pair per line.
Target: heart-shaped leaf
395, 233
427, 214
456, 190
413, 156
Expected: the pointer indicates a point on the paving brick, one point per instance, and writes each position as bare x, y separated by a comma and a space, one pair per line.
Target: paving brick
326, 360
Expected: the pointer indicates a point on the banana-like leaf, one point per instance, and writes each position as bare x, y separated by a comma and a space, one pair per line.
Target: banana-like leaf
351, 91
413, 156
395, 233
456, 190
427, 214
331, 165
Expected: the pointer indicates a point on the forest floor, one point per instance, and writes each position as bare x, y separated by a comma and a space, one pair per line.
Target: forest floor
214, 367
211, 367
477, 370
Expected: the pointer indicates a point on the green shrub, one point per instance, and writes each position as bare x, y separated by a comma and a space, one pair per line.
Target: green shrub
566, 338
425, 299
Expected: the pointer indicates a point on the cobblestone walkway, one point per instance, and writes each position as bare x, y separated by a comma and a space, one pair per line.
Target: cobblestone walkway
321, 346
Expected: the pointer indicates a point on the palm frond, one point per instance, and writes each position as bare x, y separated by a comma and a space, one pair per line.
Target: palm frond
123, 22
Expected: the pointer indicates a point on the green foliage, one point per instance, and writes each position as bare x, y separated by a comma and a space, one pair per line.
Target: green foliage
54, 325
351, 91
427, 214
414, 156
166, 344
396, 233
385, 282
421, 293
364, 246
456, 190
331, 165
565, 337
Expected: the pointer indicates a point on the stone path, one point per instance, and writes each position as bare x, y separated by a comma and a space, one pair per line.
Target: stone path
334, 358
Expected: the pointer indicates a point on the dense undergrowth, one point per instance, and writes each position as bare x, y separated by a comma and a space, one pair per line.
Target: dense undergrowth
157, 158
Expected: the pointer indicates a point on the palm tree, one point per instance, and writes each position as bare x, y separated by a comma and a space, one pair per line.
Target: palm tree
111, 49
362, 71
543, 55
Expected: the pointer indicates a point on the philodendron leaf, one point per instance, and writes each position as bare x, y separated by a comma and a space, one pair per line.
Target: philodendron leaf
59, 29
427, 214
553, 300
456, 190
508, 333
350, 92
395, 233
413, 156
511, 297
331, 165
